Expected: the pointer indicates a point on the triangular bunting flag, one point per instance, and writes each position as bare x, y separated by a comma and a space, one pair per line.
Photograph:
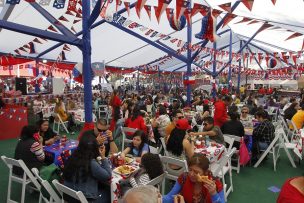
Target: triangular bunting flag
302, 46
200, 8
188, 15
17, 51
62, 18
181, 6
139, 5
69, 13
159, 10
294, 35
37, 41
22, 49
78, 15
253, 22
274, 1
76, 21
148, 9
32, 48
226, 7
72, 5
52, 28
127, 6
63, 56
264, 27
216, 13
26, 46
248, 3
244, 20
229, 17
73, 29
118, 3
66, 47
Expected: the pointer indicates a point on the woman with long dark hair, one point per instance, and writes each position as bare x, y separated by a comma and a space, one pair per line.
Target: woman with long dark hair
88, 170
29, 149
48, 135
178, 146
136, 121
138, 147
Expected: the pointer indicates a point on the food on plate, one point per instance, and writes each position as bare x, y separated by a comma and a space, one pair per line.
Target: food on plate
125, 169
202, 178
128, 160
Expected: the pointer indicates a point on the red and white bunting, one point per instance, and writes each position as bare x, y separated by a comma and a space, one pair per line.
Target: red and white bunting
118, 4
159, 10
226, 7
148, 10
229, 17
181, 6
127, 6
294, 35
248, 3
244, 20
139, 5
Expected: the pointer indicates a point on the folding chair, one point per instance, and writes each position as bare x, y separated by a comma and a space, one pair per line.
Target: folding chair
274, 148
158, 181
54, 198
59, 124
221, 168
173, 174
155, 150
236, 139
229, 140
26, 179
124, 131
102, 110
294, 131
62, 189
162, 140
273, 112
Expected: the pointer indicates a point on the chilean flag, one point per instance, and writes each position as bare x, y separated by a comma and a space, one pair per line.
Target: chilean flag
77, 73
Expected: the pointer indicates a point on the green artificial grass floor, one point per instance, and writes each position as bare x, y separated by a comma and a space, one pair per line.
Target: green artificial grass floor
250, 186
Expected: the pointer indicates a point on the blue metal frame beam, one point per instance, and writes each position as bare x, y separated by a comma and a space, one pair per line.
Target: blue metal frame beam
239, 72
229, 62
256, 60
80, 33
189, 52
53, 20
182, 58
6, 12
230, 57
271, 54
204, 42
96, 11
38, 33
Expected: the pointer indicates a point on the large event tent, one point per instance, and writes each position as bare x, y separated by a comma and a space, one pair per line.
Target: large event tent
145, 44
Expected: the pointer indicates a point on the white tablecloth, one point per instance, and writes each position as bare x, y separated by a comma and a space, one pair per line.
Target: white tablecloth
213, 153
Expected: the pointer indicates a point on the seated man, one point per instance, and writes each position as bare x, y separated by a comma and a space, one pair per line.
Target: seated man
104, 136
263, 134
214, 132
176, 115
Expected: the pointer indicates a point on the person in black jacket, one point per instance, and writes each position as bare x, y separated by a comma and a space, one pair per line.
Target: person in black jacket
233, 127
291, 111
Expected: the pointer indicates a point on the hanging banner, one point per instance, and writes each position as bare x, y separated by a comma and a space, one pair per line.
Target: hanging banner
226, 7
248, 3
181, 6
139, 5
148, 10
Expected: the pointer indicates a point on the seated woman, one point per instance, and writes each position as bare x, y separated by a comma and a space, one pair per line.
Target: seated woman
198, 185
136, 121
138, 147
60, 110
88, 170
161, 123
151, 167
29, 149
291, 111
292, 191
47, 134
178, 145
246, 118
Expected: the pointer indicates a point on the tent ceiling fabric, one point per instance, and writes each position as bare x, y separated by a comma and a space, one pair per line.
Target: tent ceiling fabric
118, 48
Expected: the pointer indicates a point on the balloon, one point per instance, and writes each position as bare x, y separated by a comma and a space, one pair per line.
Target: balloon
272, 63
177, 25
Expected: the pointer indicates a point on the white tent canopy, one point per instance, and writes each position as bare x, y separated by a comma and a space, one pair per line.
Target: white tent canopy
121, 49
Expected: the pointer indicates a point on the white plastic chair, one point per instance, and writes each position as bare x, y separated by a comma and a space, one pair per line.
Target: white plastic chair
221, 168
125, 131
167, 161
26, 179
54, 198
59, 124
155, 150
294, 131
158, 181
236, 139
102, 110
274, 149
273, 112
162, 140
229, 140
62, 189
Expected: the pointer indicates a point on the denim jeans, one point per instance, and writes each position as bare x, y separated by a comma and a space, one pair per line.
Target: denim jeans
263, 145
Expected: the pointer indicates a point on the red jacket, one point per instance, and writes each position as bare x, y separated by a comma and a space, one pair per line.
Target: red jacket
138, 123
220, 113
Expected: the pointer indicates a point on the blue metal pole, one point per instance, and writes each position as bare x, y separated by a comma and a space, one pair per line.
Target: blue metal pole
86, 53
239, 72
37, 89
214, 69
189, 52
230, 56
137, 82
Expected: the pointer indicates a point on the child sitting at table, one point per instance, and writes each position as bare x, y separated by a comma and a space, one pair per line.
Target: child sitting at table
151, 167
138, 147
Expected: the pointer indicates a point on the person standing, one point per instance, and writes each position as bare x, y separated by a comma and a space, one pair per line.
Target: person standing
115, 102
220, 111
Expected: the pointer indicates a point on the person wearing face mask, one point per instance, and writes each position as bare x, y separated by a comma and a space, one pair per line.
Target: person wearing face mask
197, 185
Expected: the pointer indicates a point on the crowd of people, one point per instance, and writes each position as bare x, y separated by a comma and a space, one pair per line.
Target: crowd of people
158, 117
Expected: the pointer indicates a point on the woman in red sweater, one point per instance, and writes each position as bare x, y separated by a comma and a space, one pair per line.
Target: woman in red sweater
115, 102
136, 121
292, 191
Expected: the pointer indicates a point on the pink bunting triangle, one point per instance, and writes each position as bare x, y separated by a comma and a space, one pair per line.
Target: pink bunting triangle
73, 29
216, 13
127, 6
37, 41
253, 22
294, 35
248, 3
274, 1
62, 18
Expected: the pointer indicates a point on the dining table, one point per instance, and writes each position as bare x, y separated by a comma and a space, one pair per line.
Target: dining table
60, 151
213, 151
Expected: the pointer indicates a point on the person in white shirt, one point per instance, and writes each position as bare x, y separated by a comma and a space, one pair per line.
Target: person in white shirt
292, 100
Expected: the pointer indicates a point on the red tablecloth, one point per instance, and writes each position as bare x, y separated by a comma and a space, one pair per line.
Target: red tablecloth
12, 121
